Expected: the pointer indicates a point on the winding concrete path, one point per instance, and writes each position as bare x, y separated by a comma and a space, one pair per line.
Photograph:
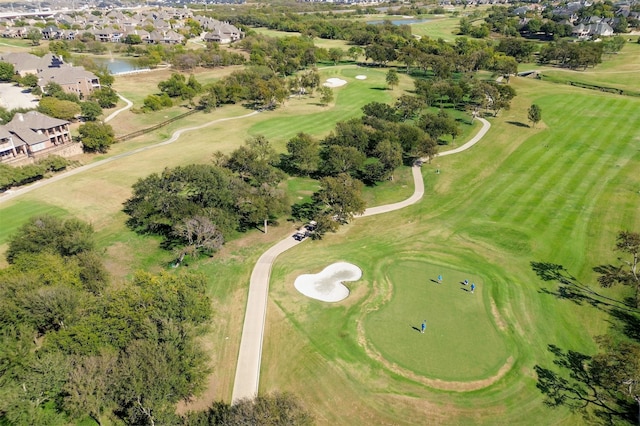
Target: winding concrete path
124, 108
11, 194
247, 376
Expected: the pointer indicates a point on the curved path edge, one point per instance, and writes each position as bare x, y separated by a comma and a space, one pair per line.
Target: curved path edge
247, 376
11, 194
113, 115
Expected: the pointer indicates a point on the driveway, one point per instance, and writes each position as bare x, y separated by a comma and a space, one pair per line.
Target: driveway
13, 96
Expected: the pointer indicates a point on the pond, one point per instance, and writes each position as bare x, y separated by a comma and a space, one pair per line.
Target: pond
406, 21
118, 65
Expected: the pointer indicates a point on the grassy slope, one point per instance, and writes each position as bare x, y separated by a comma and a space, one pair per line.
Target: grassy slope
558, 193
619, 70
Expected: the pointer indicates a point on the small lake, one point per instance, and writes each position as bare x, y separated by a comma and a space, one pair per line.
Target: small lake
399, 21
118, 65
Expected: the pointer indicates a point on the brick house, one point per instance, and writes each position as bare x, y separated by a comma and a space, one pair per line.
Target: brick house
32, 133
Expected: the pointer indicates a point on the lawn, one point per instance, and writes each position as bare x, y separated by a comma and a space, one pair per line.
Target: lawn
449, 349
445, 28
557, 193
616, 70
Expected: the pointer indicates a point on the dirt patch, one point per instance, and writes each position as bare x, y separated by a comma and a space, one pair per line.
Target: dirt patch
496, 315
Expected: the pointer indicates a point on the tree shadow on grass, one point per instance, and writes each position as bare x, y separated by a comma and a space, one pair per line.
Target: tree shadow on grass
518, 124
578, 387
628, 323
570, 288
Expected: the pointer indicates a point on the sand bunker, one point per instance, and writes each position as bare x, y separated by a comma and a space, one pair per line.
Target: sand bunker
361, 77
327, 285
334, 82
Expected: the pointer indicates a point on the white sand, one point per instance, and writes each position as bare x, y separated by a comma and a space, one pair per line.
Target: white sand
334, 82
361, 77
327, 285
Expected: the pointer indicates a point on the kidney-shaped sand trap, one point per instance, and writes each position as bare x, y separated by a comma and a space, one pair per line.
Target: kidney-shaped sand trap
334, 82
361, 77
327, 285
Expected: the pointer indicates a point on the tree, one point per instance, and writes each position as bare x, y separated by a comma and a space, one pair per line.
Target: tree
619, 364
90, 110
105, 96
627, 273
408, 106
336, 159
160, 201
132, 39
7, 71
89, 388
304, 154
340, 197
29, 80
97, 137
326, 95
65, 110
335, 55
275, 409
579, 386
354, 53
392, 78
35, 35
535, 114
51, 234
198, 235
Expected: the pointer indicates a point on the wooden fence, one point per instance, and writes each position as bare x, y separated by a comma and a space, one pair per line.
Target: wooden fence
155, 127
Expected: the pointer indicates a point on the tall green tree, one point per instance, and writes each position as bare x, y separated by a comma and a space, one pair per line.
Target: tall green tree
7, 71
51, 234
534, 114
340, 197
96, 136
304, 154
392, 78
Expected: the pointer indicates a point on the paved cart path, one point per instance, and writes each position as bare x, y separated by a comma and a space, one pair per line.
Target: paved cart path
247, 377
11, 194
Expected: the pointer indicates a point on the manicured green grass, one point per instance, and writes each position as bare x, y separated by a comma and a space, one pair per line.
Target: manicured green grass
618, 71
349, 100
445, 28
449, 349
15, 215
557, 193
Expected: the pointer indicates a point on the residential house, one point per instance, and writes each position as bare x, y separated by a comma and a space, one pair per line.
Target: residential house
8, 148
222, 32
165, 37
32, 133
75, 80
26, 63
50, 33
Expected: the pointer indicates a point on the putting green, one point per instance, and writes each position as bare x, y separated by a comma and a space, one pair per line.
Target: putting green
462, 340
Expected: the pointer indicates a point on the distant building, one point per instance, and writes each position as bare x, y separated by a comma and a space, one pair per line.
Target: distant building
32, 133
51, 68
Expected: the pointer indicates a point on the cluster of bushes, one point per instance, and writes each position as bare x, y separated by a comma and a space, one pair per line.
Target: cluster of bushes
16, 176
67, 106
